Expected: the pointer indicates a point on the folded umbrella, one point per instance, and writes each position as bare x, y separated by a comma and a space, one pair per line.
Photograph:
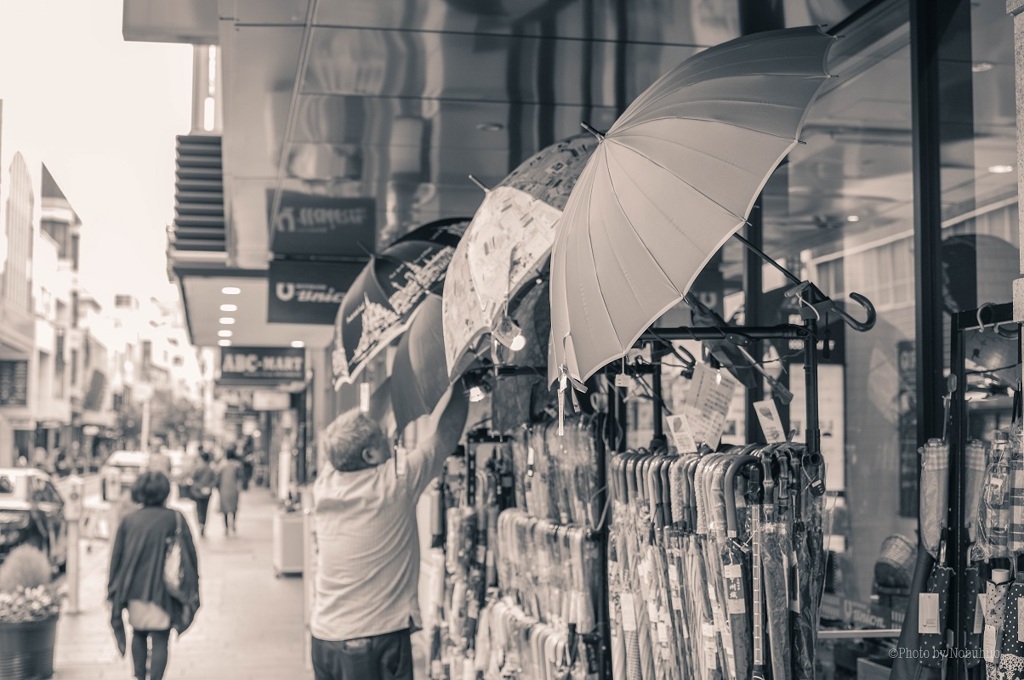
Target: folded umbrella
1011, 658
775, 576
117, 624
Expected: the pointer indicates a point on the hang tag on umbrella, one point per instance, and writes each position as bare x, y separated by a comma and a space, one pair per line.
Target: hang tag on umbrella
628, 613
364, 397
771, 422
682, 436
621, 379
928, 614
989, 645
707, 404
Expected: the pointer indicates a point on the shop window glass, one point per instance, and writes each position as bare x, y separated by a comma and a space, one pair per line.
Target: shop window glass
840, 213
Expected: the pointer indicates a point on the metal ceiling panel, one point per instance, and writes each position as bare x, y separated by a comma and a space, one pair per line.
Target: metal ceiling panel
658, 21
476, 68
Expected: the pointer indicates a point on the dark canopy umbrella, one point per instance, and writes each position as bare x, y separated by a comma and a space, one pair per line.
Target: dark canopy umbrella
380, 304
418, 367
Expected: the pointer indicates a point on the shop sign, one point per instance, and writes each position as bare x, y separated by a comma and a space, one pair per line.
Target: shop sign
309, 292
267, 400
906, 405
323, 225
14, 382
276, 364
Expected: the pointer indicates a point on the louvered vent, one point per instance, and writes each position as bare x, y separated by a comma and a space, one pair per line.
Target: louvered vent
198, 232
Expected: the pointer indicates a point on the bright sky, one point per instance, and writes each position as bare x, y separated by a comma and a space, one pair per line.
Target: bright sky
102, 114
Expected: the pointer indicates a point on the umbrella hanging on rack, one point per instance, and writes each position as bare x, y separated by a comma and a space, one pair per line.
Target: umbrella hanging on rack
418, 365
382, 299
670, 182
507, 244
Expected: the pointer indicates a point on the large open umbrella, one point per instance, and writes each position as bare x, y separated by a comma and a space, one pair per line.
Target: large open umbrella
670, 182
508, 242
379, 305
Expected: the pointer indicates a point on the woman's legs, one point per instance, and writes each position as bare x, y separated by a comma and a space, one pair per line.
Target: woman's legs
159, 661
234, 526
227, 523
202, 506
139, 653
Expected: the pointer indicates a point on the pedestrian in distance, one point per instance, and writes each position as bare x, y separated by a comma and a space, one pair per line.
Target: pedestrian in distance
200, 485
161, 462
229, 484
137, 580
367, 575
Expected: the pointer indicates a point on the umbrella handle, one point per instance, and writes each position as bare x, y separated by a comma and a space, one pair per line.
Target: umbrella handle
862, 326
729, 484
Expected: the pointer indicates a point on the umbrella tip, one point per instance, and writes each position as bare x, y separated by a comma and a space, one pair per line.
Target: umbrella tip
586, 126
480, 184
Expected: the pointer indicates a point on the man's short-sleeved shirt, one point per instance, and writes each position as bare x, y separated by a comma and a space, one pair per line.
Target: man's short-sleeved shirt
368, 548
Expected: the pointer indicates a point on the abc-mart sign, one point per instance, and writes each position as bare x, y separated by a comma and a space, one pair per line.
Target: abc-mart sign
263, 364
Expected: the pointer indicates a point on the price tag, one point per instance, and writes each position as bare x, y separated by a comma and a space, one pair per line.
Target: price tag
928, 614
979, 615
665, 635
771, 422
710, 647
622, 380
735, 597
628, 613
988, 644
652, 613
682, 436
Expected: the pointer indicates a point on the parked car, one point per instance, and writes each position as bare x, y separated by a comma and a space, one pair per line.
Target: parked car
120, 471
32, 511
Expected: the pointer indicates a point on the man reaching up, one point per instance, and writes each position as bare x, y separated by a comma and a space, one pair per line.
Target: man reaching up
366, 606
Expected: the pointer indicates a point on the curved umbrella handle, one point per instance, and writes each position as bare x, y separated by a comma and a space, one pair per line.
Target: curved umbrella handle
856, 325
729, 483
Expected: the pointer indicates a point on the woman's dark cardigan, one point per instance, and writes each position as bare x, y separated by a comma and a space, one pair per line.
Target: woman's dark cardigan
137, 564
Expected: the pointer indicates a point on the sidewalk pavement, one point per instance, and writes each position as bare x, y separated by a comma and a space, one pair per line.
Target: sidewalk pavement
249, 625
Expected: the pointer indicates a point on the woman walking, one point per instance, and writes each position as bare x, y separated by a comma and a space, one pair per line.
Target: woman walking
229, 481
136, 580
201, 485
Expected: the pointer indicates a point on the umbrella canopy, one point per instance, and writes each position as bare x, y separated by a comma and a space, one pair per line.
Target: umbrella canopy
670, 182
380, 304
419, 365
509, 240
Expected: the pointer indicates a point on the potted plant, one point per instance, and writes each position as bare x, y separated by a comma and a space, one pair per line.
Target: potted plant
29, 608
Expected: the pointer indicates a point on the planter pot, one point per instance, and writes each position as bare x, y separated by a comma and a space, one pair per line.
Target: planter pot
26, 649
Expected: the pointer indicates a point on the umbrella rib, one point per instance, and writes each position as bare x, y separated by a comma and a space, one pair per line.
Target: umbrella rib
695, 150
622, 209
698, 119
656, 163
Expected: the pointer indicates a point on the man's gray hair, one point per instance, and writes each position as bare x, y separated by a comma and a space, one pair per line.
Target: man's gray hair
347, 437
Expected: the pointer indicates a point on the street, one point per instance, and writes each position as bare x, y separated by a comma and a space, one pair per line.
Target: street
249, 625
